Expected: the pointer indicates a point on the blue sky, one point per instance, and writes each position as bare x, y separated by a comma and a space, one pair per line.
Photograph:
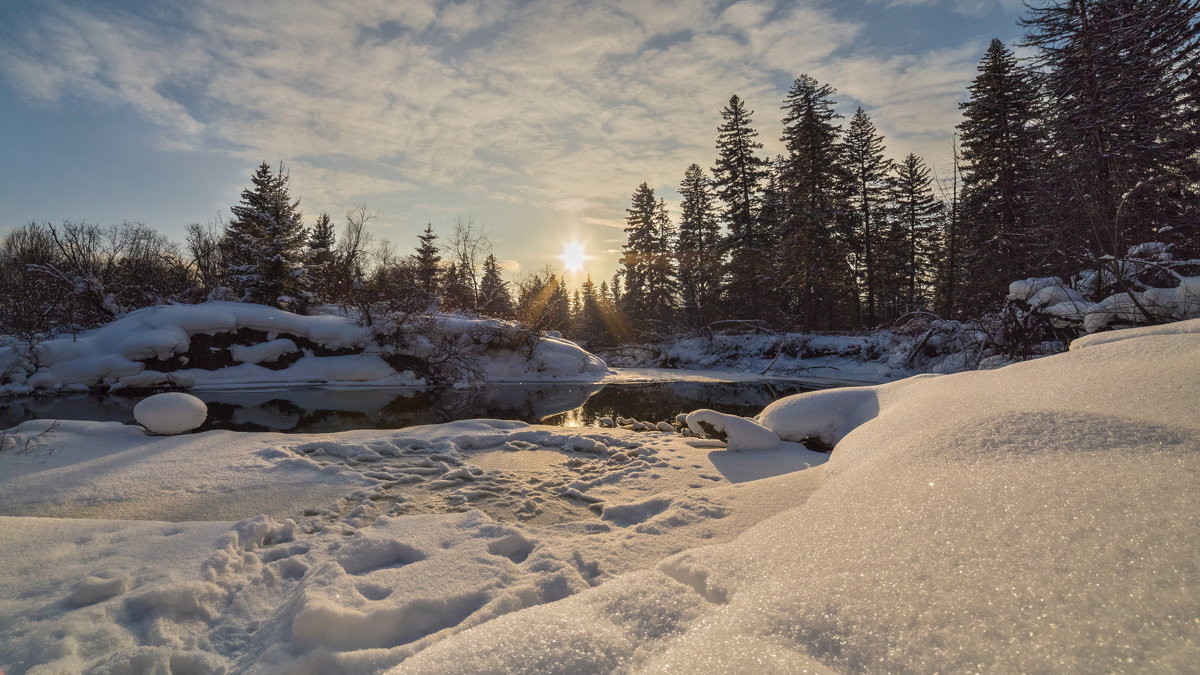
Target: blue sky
536, 119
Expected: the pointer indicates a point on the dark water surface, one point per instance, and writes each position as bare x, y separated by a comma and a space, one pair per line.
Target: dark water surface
326, 410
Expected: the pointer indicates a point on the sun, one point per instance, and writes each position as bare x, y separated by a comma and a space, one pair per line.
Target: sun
573, 257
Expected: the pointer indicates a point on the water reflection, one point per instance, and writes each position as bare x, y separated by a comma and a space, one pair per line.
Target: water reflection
327, 410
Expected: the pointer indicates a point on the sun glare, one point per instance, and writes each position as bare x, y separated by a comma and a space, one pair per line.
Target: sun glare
573, 257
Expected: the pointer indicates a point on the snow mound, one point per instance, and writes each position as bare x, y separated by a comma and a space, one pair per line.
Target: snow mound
739, 433
170, 413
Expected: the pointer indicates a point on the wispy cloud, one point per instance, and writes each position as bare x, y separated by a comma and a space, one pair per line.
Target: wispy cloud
550, 104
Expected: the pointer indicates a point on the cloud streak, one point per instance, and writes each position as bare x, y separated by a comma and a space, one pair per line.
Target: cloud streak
550, 104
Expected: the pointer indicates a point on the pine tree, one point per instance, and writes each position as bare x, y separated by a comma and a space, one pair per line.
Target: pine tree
737, 182
455, 288
1114, 73
321, 259
915, 243
816, 212
428, 265
869, 192
648, 262
1002, 178
494, 297
558, 305
698, 249
264, 242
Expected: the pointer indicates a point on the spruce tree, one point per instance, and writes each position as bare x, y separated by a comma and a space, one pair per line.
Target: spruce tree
737, 183
698, 249
869, 172
494, 297
321, 259
1002, 151
558, 305
264, 242
647, 262
428, 265
915, 241
817, 214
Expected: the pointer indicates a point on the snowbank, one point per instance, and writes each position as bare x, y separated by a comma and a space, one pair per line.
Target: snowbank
223, 344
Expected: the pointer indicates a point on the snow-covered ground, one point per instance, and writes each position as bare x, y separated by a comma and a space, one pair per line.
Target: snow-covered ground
1038, 517
225, 345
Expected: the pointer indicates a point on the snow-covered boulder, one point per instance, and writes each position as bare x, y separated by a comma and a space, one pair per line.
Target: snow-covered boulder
170, 413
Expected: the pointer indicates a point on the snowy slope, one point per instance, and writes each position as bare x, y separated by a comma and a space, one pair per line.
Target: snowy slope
1040, 517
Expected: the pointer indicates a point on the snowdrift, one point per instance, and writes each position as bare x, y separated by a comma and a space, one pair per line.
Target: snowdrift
1039, 517
229, 344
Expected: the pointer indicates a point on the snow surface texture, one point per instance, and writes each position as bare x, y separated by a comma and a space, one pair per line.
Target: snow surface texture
170, 413
1036, 518
135, 350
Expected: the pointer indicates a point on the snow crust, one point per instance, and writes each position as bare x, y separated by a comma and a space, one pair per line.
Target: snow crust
1040, 517
170, 413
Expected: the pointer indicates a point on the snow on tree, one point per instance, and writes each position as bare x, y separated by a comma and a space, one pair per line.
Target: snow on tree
265, 242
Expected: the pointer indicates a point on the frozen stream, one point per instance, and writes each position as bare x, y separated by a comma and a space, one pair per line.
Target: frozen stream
328, 410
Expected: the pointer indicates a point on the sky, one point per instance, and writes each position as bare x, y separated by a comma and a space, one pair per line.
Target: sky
534, 119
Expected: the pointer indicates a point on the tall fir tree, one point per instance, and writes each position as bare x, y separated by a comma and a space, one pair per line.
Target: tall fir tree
428, 263
737, 182
494, 297
647, 262
915, 246
1002, 179
265, 242
698, 249
869, 173
816, 218
321, 260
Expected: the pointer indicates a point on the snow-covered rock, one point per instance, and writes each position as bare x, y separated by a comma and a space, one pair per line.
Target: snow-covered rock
739, 432
170, 413
223, 344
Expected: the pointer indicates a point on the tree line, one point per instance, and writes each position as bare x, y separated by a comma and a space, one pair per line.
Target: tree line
1062, 163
